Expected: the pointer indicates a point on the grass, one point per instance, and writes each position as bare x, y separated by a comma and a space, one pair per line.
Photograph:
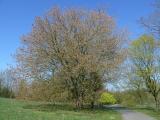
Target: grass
20, 110
149, 111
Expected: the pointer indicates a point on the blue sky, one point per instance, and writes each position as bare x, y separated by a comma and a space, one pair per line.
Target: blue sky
17, 16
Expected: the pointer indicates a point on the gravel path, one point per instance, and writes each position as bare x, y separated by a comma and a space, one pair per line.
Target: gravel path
130, 114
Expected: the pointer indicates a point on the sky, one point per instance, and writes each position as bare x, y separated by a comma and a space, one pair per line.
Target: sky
17, 17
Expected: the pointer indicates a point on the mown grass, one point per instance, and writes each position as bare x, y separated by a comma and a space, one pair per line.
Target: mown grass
21, 110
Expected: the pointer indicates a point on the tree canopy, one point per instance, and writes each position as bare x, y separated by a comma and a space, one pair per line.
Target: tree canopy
75, 47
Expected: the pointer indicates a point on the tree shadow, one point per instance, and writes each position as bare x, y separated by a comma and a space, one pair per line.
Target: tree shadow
49, 107
145, 108
65, 107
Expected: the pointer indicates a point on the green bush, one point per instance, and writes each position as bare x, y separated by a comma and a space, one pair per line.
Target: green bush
107, 98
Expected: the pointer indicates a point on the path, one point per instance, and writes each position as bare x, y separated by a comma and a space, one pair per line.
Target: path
129, 114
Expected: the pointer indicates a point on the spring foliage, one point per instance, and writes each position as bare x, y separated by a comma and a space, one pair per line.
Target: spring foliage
76, 48
107, 98
144, 54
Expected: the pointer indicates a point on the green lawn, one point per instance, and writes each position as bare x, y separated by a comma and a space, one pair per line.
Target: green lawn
150, 112
20, 110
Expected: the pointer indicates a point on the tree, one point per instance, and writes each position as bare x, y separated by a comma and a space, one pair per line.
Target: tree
143, 54
152, 22
75, 46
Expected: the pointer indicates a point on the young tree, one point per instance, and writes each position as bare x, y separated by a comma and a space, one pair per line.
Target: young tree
143, 54
76, 46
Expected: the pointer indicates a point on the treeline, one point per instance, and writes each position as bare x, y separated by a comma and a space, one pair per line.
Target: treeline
6, 85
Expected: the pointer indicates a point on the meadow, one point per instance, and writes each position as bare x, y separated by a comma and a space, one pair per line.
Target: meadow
21, 110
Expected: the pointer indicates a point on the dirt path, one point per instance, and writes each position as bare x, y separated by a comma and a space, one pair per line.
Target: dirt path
130, 114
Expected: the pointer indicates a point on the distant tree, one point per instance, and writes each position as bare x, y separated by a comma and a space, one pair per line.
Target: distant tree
137, 84
6, 84
75, 46
1, 85
152, 22
144, 56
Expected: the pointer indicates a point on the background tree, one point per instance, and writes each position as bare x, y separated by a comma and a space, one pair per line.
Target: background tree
143, 54
152, 22
6, 84
136, 84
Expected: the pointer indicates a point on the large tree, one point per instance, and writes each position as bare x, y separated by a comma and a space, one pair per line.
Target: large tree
144, 56
76, 46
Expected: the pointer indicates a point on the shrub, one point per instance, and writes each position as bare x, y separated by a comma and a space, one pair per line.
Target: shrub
107, 98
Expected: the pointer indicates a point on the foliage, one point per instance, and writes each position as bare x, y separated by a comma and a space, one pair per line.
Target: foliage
107, 98
46, 90
128, 98
136, 84
22, 90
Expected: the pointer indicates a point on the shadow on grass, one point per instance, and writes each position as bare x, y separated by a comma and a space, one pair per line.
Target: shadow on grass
66, 107
145, 108
50, 107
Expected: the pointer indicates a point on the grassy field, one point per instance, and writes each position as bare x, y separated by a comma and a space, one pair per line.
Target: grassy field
20, 110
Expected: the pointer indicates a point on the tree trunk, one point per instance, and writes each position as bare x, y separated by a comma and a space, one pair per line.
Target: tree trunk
92, 104
78, 104
156, 101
